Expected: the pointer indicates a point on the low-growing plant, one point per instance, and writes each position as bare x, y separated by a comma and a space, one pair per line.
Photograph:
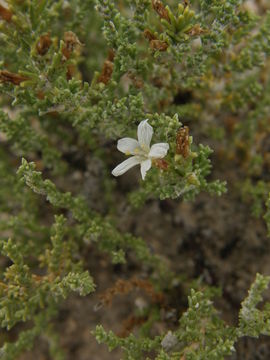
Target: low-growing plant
164, 83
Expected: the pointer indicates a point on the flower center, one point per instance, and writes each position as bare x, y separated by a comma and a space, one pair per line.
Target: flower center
144, 147
140, 151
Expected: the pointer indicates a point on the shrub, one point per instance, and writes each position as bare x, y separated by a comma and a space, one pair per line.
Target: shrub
75, 77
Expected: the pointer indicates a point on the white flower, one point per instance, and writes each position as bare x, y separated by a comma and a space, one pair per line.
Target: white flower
141, 150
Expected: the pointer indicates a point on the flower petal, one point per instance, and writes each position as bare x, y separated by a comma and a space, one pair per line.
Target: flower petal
126, 165
145, 133
159, 151
145, 166
127, 145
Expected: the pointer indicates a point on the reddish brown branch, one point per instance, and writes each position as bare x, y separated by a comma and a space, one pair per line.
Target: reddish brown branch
160, 10
107, 69
123, 287
5, 14
9, 77
182, 142
43, 44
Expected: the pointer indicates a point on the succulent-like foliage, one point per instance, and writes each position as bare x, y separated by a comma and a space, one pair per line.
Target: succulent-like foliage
76, 76
201, 333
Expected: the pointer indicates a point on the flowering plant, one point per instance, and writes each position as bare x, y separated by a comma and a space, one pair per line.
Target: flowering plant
77, 75
142, 153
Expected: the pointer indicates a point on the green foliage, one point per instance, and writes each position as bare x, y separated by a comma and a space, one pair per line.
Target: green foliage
179, 24
91, 226
21, 134
256, 194
26, 339
267, 214
252, 321
201, 333
23, 293
75, 76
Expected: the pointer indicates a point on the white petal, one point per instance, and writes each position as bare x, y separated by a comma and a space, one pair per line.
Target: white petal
126, 165
145, 166
145, 133
158, 151
128, 146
